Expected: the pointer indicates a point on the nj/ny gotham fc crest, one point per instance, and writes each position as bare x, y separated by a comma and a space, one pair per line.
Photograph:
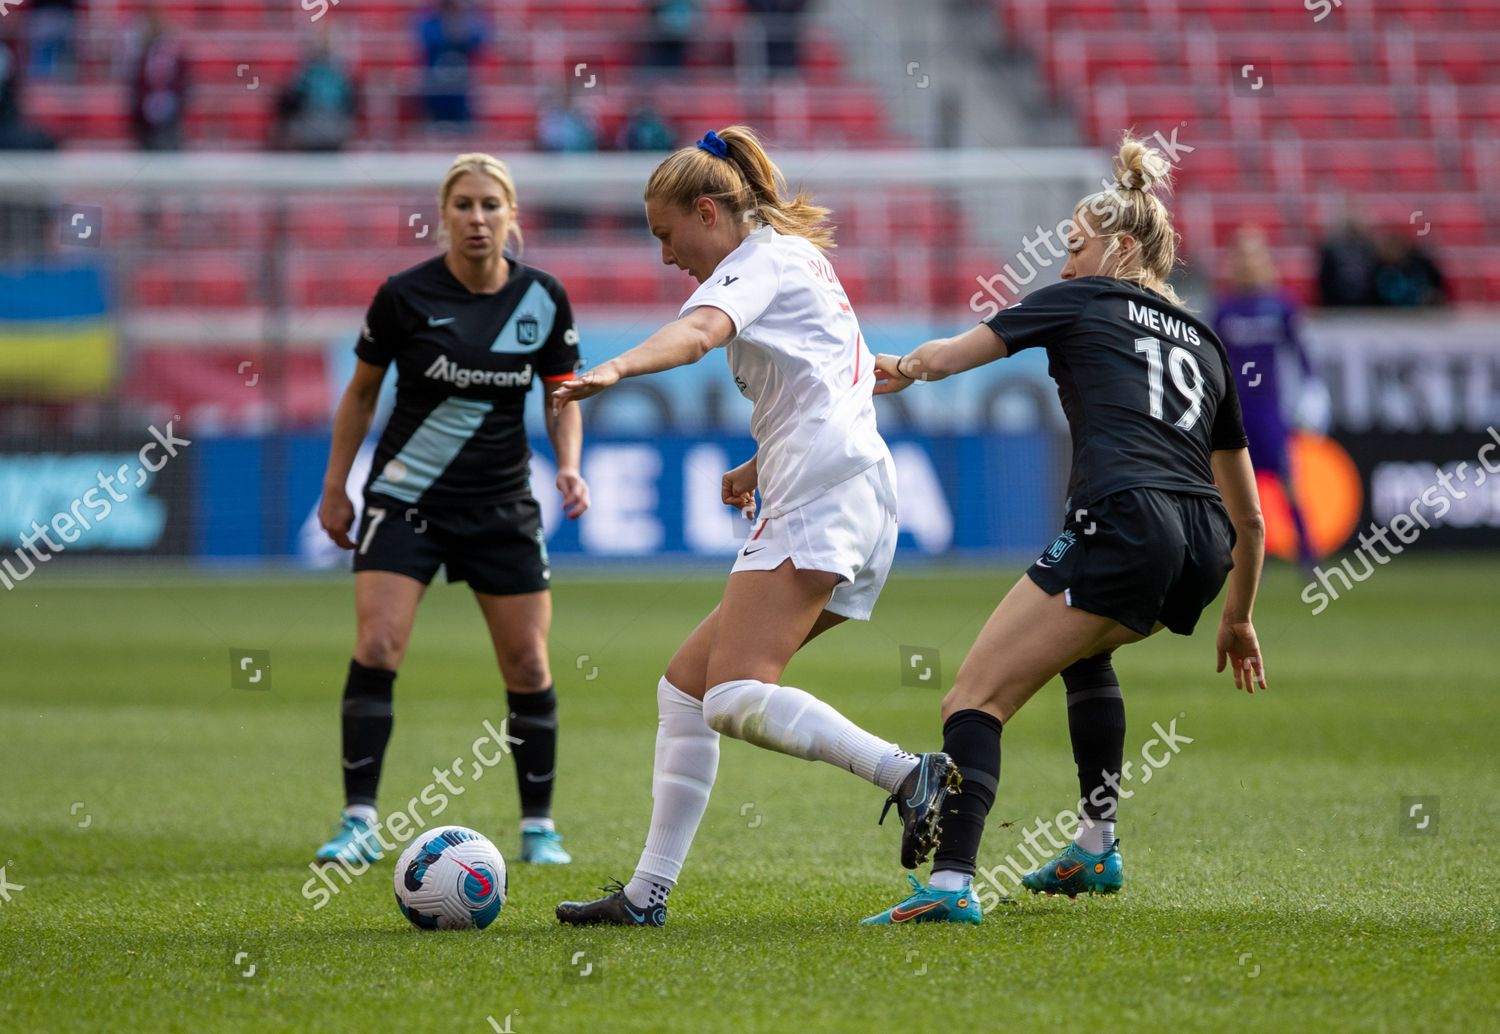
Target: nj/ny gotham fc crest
1063, 543
526, 330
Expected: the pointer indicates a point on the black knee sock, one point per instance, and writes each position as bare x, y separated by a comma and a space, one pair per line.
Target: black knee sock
972, 739
1096, 723
367, 722
533, 720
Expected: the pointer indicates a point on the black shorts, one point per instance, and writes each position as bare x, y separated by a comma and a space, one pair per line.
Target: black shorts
498, 548
1141, 556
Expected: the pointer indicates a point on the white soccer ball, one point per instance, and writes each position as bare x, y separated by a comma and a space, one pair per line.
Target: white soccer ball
450, 878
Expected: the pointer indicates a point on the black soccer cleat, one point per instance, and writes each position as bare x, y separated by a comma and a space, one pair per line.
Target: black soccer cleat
614, 909
919, 804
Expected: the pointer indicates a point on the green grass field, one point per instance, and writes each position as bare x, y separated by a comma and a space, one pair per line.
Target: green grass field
160, 823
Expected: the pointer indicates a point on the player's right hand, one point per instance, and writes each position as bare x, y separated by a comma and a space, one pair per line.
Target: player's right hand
585, 385
888, 380
336, 515
1236, 643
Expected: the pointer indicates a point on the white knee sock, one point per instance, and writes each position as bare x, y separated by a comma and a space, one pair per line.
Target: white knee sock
787, 719
687, 759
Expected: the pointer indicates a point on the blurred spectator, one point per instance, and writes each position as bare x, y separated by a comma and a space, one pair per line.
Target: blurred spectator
15, 133
563, 126
1259, 325
158, 87
673, 23
316, 112
645, 130
1346, 266
781, 22
451, 37
49, 30
1405, 276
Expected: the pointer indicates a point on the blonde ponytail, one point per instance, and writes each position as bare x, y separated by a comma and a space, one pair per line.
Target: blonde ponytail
732, 168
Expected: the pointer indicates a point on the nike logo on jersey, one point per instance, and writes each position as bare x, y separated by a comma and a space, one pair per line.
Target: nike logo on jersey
757, 549
433, 321
727, 281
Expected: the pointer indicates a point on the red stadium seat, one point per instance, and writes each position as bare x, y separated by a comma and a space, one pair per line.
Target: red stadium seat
1387, 102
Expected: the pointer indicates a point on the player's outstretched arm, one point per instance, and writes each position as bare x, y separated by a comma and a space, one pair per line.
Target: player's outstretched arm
679, 343
1236, 640
939, 358
350, 425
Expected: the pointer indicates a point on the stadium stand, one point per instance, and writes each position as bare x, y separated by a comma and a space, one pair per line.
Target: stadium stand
1388, 115
1385, 109
533, 50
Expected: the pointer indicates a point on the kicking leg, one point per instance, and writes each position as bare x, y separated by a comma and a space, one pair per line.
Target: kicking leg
764, 618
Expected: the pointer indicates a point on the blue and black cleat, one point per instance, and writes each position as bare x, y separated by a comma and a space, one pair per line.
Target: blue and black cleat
614, 909
919, 804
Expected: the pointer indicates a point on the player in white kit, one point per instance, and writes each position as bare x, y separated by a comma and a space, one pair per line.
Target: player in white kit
822, 541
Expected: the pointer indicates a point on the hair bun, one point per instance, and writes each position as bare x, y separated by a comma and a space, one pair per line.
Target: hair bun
1141, 167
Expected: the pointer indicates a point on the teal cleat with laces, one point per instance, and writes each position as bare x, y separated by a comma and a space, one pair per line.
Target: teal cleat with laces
927, 905
1076, 872
542, 846
355, 843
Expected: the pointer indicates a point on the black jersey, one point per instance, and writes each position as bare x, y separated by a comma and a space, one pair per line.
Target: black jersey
464, 365
1145, 385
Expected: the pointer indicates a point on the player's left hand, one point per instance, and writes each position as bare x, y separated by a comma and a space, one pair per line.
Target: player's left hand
888, 380
1236, 643
584, 386
738, 487
575, 493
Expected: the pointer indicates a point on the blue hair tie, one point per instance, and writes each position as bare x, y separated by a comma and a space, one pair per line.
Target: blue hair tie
713, 145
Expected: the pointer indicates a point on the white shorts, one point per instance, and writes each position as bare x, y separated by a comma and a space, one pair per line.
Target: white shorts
850, 531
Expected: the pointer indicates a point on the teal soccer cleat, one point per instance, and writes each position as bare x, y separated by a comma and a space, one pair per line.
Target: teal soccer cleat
1076, 872
541, 846
355, 842
931, 906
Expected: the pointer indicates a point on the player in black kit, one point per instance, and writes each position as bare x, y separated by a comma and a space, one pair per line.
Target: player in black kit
469, 332
1148, 539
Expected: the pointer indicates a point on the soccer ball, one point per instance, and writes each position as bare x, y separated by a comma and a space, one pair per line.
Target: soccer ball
450, 878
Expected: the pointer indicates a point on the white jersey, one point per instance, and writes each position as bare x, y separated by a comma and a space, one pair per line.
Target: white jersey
799, 356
